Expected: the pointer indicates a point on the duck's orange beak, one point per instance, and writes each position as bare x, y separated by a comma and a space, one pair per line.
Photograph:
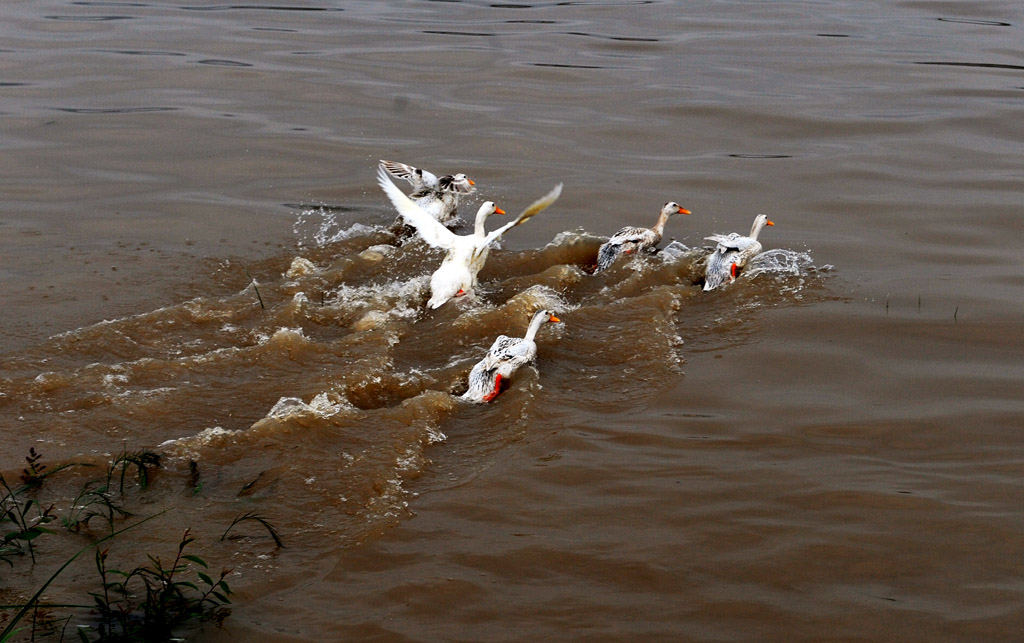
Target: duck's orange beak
498, 210
471, 181
684, 211
768, 223
554, 319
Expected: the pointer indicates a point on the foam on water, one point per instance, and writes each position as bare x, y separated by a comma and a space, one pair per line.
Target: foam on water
781, 262
319, 227
398, 299
323, 405
187, 447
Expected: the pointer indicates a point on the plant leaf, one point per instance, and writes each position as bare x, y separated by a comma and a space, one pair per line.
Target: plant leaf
196, 559
222, 598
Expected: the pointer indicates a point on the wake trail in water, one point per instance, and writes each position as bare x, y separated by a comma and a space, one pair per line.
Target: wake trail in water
326, 365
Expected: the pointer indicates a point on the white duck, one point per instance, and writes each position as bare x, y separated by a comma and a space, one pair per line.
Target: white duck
732, 253
439, 197
504, 357
633, 239
466, 253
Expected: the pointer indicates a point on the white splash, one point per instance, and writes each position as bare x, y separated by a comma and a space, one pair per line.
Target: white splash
282, 335
320, 406
300, 267
675, 251
397, 299
326, 228
569, 238
541, 296
780, 261
188, 445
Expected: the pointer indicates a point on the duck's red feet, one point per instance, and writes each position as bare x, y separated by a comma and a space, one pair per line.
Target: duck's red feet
497, 389
734, 271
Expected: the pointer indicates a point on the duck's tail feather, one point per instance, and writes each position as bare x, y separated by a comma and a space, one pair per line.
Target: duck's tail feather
607, 255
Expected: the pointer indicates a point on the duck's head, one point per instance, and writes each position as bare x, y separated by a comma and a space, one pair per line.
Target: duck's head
540, 318
487, 208
760, 221
672, 207
442, 293
544, 316
459, 183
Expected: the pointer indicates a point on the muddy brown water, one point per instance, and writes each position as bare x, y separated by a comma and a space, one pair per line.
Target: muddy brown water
828, 449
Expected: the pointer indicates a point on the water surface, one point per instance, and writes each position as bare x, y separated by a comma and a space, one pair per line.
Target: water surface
826, 449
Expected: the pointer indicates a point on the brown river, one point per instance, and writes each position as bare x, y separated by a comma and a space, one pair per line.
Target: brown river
197, 260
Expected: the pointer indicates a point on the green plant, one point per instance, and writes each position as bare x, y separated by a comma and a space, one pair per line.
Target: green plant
33, 475
166, 600
12, 627
94, 500
147, 603
97, 498
142, 461
27, 517
257, 518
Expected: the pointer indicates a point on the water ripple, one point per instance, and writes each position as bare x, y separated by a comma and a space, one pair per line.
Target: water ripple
979, 65
89, 18
972, 21
114, 110
256, 7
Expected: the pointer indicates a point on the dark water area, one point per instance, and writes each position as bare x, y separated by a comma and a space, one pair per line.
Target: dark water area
197, 260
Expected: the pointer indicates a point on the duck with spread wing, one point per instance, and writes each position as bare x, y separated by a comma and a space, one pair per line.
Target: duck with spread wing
467, 253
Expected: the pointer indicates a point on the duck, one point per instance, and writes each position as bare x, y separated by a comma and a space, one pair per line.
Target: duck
633, 239
732, 253
457, 275
438, 196
503, 359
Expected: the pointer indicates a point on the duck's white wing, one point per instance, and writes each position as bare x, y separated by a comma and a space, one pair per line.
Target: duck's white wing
507, 354
733, 240
432, 231
496, 353
631, 234
525, 215
722, 238
419, 179
520, 353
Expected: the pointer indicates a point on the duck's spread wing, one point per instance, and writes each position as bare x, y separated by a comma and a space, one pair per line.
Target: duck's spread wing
732, 241
447, 183
419, 179
532, 209
429, 228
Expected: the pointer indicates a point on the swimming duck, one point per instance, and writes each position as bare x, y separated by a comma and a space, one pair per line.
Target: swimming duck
505, 356
439, 197
467, 253
732, 254
631, 239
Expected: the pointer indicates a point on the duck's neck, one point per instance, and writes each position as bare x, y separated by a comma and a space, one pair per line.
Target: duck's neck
659, 227
756, 229
478, 228
535, 324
